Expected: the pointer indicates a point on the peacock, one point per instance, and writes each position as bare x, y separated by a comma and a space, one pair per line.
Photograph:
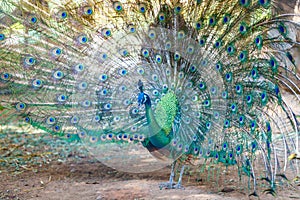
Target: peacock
202, 82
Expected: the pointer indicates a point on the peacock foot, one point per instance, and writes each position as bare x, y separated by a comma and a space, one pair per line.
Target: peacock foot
166, 185
178, 186
169, 185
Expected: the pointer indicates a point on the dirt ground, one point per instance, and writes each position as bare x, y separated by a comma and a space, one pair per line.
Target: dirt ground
92, 180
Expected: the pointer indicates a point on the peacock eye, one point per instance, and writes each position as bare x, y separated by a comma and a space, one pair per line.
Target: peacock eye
152, 34
179, 147
254, 73
64, 14
118, 6
161, 17
50, 120
202, 42
88, 10
122, 72
177, 56
225, 95
207, 103
57, 128
208, 125
141, 138
5, 77
97, 118
145, 53
212, 21
195, 98
241, 119
213, 90
2, 36
61, 15
58, 75
253, 125
122, 88
226, 123
181, 75
74, 120
238, 89
198, 25
190, 49
165, 87
106, 32
231, 49
117, 118
216, 115
27, 119
103, 57
249, 98
142, 8
193, 68
82, 85
264, 3
263, 96
79, 68
202, 85
37, 83
33, 19
238, 149
131, 28
168, 45
155, 92
154, 77
181, 34
20, 106
29, 61
104, 92
225, 19
245, 3
218, 44
135, 111
123, 52
103, 77
219, 66
233, 107
107, 106
243, 28
273, 64
103, 137
56, 52
228, 76
140, 70
178, 9
158, 59
93, 139
82, 39
82, 134
254, 145
86, 103
258, 40
62, 98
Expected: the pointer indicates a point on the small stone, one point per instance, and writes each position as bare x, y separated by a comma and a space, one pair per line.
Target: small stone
227, 189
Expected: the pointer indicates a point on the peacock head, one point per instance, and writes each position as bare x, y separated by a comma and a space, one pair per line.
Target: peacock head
144, 98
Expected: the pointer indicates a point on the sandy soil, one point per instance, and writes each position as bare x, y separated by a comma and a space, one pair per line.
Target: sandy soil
92, 180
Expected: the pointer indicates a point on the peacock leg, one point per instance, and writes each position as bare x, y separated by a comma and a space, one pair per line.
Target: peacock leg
178, 185
169, 185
